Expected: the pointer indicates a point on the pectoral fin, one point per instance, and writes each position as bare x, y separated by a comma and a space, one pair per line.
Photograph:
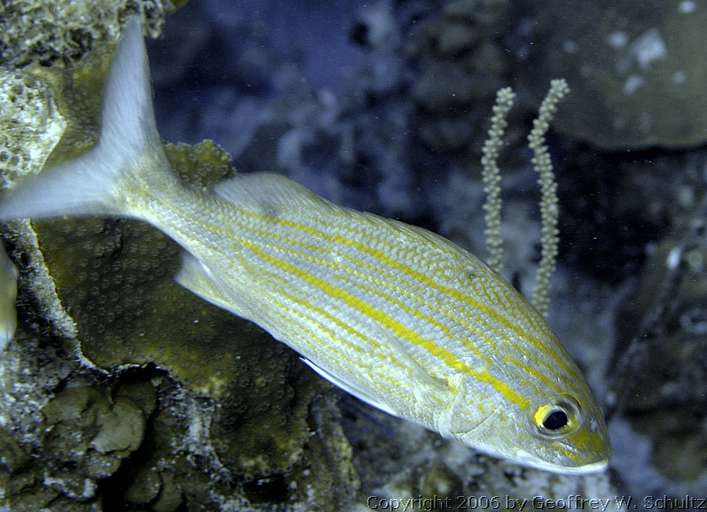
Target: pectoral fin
196, 277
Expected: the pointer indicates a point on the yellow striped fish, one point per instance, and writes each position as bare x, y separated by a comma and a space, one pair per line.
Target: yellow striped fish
395, 315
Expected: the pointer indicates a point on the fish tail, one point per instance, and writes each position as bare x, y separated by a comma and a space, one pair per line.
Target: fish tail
128, 161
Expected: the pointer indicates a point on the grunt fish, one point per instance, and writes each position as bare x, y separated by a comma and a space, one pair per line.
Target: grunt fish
396, 315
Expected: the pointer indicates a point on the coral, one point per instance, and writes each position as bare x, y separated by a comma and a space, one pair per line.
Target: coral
542, 163
549, 208
48, 32
209, 409
30, 125
88, 433
491, 176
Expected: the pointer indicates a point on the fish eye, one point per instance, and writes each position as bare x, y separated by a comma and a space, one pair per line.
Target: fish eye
557, 419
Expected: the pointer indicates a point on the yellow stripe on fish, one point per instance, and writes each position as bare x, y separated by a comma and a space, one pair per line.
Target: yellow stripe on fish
468, 346
395, 327
295, 245
392, 279
334, 238
393, 314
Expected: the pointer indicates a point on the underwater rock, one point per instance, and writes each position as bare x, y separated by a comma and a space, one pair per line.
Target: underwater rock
461, 68
88, 435
82, 436
635, 69
61, 32
30, 124
661, 370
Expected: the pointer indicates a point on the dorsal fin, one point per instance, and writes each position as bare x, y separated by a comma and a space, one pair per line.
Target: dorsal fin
270, 193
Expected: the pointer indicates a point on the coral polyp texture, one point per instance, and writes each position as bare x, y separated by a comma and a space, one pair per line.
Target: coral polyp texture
30, 126
62, 32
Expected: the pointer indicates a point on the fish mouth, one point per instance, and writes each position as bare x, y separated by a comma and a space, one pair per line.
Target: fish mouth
594, 467
584, 469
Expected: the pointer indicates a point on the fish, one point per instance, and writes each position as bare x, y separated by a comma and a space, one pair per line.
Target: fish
391, 313
8, 296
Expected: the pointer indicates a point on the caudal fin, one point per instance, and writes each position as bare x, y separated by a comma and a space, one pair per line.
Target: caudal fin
128, 155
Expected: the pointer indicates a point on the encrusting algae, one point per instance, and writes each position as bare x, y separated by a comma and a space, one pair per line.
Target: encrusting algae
395, 315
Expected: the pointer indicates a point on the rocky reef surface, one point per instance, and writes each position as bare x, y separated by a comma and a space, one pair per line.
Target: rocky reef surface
123, 391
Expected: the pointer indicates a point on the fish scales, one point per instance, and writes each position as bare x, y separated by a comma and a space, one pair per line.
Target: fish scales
390, 280
373, 316
353, 223
376, 318
424, 280
242, 233
394, 314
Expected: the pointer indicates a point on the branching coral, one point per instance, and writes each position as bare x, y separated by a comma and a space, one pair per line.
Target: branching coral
549, 209
542, 163
491, 176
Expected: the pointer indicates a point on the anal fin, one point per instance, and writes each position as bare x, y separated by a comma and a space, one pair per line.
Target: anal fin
349, 388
